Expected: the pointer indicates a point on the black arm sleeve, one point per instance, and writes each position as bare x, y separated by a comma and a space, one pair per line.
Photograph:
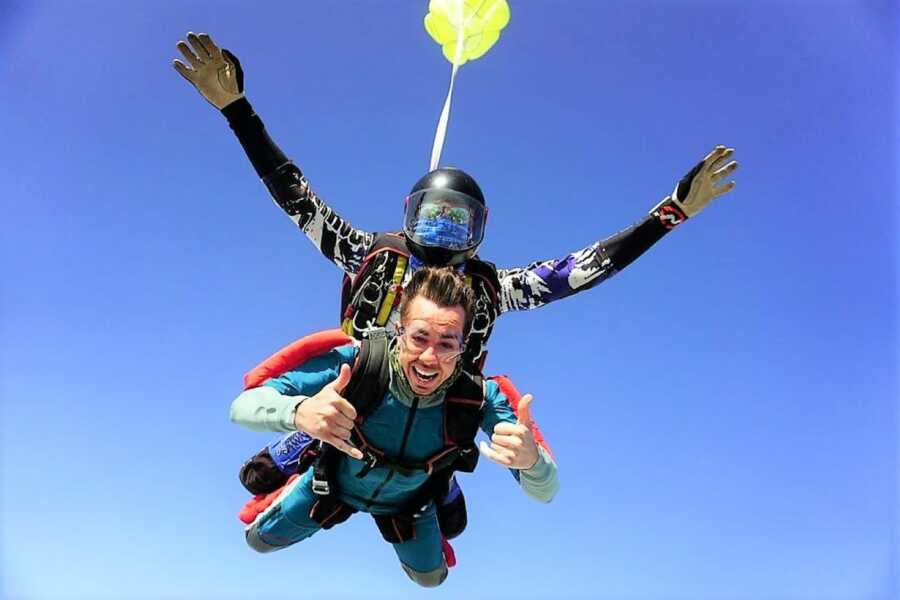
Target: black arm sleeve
263, 153
335, 237
541, 282
624, 247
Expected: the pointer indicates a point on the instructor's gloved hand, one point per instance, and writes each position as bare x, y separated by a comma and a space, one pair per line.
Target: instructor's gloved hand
215, 72
698, 188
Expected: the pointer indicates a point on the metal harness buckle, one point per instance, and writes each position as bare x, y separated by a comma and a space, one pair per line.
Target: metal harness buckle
320, 487
370, 459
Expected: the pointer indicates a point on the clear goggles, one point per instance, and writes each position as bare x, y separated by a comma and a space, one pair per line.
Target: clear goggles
445, 219
418, 336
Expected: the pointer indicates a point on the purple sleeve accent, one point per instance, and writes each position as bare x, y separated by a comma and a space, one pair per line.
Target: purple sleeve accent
557, 277
545, 281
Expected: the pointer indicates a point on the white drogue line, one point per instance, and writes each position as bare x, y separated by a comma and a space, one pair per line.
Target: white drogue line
441, 133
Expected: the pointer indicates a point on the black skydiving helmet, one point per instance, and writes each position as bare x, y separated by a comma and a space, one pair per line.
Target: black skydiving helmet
445, 217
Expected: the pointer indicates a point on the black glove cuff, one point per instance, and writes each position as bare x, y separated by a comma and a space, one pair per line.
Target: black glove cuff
238, 111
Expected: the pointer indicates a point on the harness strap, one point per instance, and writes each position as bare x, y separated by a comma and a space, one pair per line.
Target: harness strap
392, 298
463, 407
370, 293
368, 299
396, 529
368, 383
321, 483
327, 511
376, 459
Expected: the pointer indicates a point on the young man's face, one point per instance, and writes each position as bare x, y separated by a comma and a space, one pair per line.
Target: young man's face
431, 343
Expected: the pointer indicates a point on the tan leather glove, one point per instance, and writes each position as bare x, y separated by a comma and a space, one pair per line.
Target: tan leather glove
215, 72
698, 188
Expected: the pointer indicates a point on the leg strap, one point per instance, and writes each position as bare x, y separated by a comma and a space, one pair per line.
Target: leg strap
328, 512
396, 529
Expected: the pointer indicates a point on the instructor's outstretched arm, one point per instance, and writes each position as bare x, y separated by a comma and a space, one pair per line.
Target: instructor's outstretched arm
218, 77
544, 281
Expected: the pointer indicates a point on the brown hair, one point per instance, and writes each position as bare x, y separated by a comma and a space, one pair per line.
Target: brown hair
445, 287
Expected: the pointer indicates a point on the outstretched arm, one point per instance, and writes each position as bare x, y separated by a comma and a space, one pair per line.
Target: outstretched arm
218, 76
541, 282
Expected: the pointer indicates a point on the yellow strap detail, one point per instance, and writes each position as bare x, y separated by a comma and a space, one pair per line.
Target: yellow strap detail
388, 303
347, 327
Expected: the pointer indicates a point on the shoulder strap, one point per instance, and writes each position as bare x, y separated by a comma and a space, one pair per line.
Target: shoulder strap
390, 241
463, 406
482, 277
475, 267
368, 383
371, 374
368, 299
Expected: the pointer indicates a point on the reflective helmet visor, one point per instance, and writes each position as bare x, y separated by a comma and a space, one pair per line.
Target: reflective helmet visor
441, 218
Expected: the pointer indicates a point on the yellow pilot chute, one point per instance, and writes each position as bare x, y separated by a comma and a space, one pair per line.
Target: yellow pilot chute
465, 30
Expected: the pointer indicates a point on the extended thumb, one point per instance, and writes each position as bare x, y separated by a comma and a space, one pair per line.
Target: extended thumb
524, 411
343, 378
238, 71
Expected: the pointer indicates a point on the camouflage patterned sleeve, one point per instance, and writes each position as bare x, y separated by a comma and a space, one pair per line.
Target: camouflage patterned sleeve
541, 282
335, 237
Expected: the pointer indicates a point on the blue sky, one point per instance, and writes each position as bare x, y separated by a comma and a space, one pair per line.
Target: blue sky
724, 411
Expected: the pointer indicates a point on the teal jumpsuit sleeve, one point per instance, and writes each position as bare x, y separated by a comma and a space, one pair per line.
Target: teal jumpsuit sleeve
271, 406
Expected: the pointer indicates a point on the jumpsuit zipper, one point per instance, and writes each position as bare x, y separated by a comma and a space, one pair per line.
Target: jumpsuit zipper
390, 475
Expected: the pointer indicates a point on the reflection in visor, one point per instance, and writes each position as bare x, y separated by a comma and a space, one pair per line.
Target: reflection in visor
455, 213
442, 232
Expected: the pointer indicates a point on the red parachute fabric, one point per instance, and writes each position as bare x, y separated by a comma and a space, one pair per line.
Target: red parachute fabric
295, 354
258, 504
449, 554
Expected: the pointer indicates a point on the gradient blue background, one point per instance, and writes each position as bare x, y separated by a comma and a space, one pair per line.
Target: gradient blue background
724, 411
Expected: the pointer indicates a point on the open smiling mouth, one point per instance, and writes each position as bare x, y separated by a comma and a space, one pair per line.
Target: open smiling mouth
423, 378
